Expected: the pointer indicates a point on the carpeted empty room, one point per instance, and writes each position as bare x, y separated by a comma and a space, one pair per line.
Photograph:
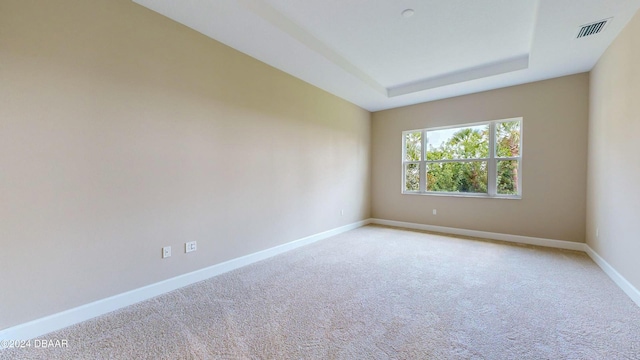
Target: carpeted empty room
273, 179
377, 293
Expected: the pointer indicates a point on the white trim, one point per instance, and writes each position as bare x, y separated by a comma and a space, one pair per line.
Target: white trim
85, 312
560, 244
623, 283
492, 160
497, 68
463, 195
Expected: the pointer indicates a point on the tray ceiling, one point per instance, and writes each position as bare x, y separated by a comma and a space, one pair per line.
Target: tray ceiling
368, 53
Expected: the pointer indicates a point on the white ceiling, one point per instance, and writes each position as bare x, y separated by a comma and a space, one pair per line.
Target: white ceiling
366, 52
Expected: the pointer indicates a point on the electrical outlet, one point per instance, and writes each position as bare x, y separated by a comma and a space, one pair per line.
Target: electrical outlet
435, 212
166, 252
190, 246
342, 212
597, 232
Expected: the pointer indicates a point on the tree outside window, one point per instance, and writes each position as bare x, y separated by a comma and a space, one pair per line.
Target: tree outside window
475, 159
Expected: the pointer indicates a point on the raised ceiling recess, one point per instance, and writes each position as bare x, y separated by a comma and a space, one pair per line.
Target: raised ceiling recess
384, 54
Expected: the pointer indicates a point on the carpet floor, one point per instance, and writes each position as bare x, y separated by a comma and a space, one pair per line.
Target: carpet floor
376, 293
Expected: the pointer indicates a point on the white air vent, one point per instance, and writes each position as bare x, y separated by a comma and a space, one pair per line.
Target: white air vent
593, 28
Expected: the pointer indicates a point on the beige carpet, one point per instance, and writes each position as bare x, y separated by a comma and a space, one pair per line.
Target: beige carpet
377, 293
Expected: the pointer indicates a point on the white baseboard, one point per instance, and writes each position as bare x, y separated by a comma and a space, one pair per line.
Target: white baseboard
85, 312
560, 244
625, 285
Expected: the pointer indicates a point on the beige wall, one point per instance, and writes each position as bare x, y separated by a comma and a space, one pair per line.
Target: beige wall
613, 198
122, 132
555, 116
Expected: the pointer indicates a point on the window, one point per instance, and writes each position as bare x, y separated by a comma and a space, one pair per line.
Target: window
483, 159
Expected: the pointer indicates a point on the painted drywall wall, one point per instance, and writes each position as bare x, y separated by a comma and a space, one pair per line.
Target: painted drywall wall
555, 117
613, 197
122, 132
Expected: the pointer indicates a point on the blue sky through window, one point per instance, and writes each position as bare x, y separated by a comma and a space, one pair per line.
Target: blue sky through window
435, 138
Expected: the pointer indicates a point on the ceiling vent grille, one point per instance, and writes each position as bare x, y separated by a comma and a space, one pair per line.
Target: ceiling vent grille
593, 28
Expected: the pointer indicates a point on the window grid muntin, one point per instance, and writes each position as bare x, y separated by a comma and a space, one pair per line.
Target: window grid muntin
492, 176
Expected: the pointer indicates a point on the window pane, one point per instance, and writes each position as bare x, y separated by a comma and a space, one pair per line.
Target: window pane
471, 142
508, 139
412, 177
413, 146
462, 177
508, 177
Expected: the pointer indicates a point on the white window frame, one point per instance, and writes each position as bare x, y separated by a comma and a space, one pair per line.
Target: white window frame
492, 162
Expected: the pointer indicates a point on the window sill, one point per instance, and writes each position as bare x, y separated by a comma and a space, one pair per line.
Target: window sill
481, 196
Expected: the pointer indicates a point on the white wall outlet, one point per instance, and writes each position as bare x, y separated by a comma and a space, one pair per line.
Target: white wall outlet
342, 212
190, 246
166, 252
435, 212
597, 232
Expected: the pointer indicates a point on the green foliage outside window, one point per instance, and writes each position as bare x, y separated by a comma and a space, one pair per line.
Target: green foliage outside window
508, 145
465, 176
413, 143
413, 151
412, 181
